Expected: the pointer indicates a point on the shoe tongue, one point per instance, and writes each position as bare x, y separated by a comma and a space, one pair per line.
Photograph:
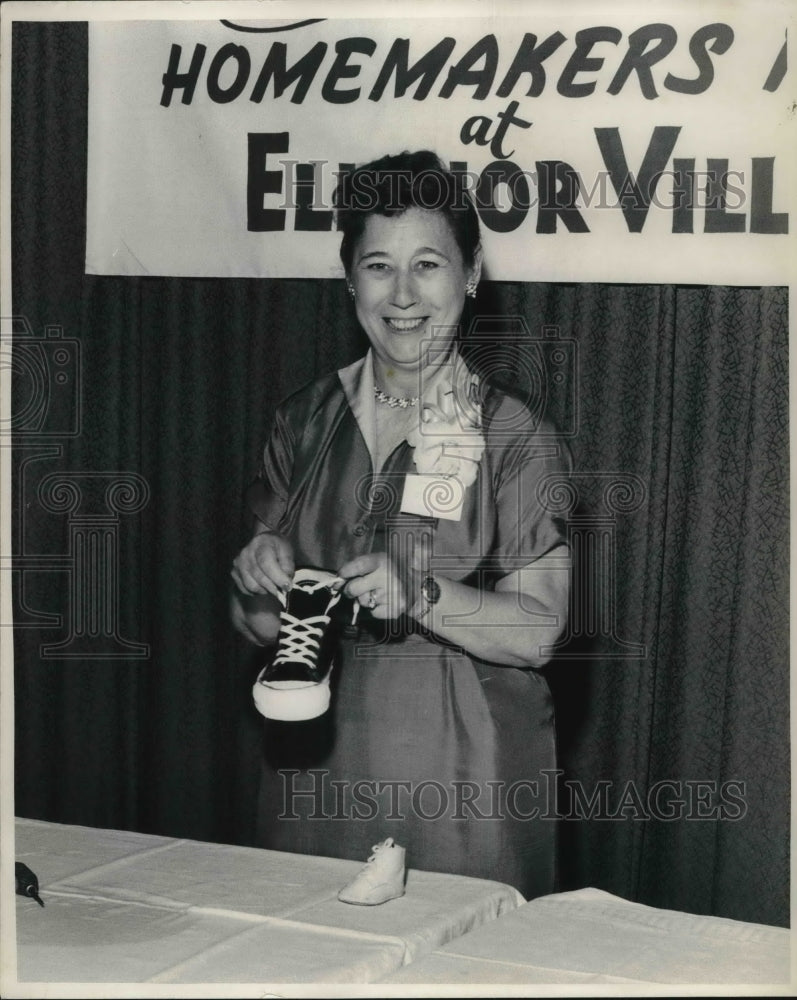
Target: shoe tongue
304, 605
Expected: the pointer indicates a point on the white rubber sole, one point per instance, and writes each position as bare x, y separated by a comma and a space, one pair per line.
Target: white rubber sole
370, 897
287, 702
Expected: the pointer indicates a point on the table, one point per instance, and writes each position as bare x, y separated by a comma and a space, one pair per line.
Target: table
124, 907
589, 936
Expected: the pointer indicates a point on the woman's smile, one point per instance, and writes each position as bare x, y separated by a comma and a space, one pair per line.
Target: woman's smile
405, 325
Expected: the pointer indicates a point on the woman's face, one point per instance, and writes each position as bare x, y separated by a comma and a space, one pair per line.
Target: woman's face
409, 280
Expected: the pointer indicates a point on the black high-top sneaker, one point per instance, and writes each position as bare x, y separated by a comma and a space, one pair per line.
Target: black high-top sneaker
295, 685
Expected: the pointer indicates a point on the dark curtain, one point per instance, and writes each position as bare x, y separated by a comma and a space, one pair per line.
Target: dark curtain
675, 683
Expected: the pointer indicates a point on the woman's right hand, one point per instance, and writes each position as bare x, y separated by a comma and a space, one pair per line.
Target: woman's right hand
265, 565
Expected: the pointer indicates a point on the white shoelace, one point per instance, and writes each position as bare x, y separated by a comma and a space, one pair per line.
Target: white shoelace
300, 638
378, 848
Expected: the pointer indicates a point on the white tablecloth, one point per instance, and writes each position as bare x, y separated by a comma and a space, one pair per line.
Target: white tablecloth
590, 936
127, 907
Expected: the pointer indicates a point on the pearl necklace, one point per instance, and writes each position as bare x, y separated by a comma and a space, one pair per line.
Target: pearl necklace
394, 401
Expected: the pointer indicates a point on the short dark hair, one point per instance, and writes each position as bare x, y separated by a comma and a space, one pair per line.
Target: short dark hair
391, 185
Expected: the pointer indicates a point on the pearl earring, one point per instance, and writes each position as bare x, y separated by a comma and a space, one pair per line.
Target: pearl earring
350, 289
470, 288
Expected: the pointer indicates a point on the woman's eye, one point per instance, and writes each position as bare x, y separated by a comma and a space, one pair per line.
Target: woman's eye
427, 265
377, 265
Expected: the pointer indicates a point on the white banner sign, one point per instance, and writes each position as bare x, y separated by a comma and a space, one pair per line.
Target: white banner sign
603, 147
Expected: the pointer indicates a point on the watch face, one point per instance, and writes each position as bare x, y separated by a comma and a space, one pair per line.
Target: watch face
430, 589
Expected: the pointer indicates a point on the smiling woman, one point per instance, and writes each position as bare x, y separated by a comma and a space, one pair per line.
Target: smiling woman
407, 488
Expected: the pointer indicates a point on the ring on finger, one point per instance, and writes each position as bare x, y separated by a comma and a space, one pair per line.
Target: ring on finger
371, 602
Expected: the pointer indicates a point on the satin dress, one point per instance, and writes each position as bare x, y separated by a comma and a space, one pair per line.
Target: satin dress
451, 755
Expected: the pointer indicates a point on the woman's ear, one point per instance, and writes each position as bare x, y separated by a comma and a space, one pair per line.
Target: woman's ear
476, 270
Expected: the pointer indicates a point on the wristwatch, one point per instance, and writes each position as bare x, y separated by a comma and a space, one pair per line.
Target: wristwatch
429, 595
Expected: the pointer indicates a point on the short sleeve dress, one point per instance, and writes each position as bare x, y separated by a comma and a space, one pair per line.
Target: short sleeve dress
451, 755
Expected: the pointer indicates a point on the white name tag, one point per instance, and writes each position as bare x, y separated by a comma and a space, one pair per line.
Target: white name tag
433, 496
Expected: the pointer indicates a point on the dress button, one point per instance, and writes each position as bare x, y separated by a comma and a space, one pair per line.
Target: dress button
359, 530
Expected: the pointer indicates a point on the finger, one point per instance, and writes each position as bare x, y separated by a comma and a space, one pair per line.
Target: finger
263, 577
361, 587
266, 566
284, 553
236, 578
278, 578
246, 582
388, 609
383, 612
372, 598
274, 555
360, 565
243, 580
268, 586
266, 574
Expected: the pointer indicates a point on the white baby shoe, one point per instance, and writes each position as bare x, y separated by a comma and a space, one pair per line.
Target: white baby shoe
381, 879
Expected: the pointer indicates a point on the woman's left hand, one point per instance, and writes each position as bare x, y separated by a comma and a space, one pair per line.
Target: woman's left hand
373, 581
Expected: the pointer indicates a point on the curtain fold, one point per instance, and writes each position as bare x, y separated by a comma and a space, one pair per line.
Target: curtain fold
676, 400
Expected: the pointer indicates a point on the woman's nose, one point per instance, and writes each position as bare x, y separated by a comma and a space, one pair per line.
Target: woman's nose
404, 294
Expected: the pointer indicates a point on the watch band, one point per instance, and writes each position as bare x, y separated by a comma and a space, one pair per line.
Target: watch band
429, 596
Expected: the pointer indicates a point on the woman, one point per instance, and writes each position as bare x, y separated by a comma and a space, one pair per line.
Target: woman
440, 731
